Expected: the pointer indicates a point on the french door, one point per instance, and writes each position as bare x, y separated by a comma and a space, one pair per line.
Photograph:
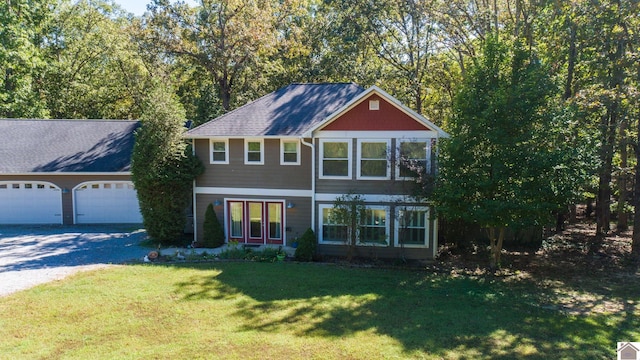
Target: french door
255, 222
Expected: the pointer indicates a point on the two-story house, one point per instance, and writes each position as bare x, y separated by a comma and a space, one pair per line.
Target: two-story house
275, 166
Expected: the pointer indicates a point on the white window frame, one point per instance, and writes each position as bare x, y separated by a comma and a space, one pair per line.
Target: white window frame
349, 159
226, 151
398, 155
359, 159
282, 153
246, 152
321, 240
426, 230
322, 207
387, 227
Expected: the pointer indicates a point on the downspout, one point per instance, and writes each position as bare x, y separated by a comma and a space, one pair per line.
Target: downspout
193, 212
313, 182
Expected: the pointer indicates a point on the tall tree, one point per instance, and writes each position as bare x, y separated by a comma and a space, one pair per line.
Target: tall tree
225, 37
94, 69
503, 168
163, 167
24, 23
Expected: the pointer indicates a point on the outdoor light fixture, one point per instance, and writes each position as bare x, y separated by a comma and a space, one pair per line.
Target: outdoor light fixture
217, 203
290, 205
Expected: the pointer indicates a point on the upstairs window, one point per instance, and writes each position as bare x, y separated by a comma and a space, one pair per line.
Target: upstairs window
289, 152
372, 159
413, 158
336, 162
219, 151
253, 152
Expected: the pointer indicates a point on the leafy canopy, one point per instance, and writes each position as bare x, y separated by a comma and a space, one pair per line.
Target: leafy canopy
507, 163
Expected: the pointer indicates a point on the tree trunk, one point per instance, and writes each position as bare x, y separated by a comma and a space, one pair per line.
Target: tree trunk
623, 223
635, 238
495, 247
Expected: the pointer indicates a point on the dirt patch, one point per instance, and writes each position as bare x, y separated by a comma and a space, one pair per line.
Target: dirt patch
572, 277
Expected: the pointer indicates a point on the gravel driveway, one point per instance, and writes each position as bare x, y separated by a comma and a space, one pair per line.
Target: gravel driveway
31, 255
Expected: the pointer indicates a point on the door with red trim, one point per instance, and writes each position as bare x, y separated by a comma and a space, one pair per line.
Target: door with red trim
255, 222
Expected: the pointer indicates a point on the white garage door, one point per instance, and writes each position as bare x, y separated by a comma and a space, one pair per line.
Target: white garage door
113, 202
30, 202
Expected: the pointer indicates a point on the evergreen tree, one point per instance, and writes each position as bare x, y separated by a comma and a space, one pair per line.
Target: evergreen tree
163, 167
213, 234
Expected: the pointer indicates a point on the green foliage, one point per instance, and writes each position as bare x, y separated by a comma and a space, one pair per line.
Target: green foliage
163, 167
506, 165
307, 245
213, 233
349, 209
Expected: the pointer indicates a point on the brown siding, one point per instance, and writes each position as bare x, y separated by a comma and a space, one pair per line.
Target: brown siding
65, 182
297, 219
388, 118
380, 187
390, 251
271, 175
375, 252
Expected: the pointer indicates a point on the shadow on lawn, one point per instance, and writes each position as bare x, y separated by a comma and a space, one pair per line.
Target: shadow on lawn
434, 314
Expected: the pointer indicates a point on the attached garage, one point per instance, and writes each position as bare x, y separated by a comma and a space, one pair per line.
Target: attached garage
32, 202
106, 203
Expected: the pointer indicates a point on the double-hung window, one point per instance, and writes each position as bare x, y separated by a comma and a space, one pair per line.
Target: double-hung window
254, 152
374, 229
335, 159
219, 151
332, 231
289, 152
413, 158
373, 162
412, 227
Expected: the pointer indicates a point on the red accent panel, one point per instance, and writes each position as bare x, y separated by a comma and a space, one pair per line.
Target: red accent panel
388, 118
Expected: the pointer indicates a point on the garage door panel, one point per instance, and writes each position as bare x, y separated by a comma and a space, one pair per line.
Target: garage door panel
30, 203
107, 202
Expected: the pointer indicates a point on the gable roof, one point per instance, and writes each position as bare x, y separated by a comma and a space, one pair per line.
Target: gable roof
60, 146
364, 95
289, 111
296, 110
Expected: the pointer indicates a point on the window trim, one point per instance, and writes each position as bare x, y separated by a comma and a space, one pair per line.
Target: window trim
387, 210
282, 152
387, 227
226, 151
427, 229
246, 152
359, 175
398, 154
349, 159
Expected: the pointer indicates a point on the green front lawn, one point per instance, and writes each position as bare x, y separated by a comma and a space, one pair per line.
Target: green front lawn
288, 310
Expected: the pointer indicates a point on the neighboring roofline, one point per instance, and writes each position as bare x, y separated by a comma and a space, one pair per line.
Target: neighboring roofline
102, 173
78, 120
201, 137
360, 97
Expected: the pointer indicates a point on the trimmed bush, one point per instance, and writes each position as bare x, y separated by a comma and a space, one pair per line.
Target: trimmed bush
212, 234
306, 246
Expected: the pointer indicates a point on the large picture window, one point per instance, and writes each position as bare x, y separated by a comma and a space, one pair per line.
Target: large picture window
412, 227
413, 158
372, 159
335, 159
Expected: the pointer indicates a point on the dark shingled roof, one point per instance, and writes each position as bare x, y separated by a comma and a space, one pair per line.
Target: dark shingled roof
289, 111
28, 146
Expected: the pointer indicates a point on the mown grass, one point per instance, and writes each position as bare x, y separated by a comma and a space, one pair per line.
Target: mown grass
241, 310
